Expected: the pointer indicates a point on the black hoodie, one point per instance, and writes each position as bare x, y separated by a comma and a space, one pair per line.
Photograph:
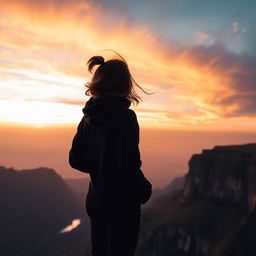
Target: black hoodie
106, 146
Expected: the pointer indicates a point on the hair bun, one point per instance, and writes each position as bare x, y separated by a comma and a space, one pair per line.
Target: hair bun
95, 60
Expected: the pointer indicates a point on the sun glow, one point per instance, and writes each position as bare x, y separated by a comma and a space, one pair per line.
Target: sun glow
38, 114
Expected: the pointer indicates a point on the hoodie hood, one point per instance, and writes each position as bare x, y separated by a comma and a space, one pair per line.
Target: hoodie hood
98, 111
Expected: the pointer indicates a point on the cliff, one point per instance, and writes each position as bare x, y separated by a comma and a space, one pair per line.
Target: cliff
225, 172
213, 214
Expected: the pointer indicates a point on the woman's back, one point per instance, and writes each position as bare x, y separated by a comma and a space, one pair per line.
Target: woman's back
102, 127
110, 134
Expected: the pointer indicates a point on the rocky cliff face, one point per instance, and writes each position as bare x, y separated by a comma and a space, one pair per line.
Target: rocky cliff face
213, 215
225, 172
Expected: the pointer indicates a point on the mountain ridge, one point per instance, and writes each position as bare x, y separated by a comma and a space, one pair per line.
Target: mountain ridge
35, 205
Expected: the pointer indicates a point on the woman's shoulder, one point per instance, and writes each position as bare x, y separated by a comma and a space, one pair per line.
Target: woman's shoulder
127, 118
128, 115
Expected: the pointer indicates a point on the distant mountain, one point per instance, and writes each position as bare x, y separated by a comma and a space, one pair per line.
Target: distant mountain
35, 206
176, 185
214, 214
79, 188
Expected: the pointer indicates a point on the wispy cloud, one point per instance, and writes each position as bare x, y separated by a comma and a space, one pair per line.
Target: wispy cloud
45, 44
234, 27
202, 37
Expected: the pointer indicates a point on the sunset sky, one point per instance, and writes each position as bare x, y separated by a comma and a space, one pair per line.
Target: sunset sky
197, 56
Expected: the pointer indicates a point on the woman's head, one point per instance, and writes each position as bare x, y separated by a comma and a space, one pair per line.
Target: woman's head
111, 77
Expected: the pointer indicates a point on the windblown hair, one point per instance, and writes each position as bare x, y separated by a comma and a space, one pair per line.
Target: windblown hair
112, 77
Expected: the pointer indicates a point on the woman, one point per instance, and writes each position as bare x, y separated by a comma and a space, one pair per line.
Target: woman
106, 146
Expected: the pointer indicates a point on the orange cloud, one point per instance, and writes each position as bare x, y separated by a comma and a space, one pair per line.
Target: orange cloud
45, 45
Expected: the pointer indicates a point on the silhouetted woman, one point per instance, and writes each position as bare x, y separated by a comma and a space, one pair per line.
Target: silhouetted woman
106, 146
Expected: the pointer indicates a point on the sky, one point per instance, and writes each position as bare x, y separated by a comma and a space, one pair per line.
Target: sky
198, 57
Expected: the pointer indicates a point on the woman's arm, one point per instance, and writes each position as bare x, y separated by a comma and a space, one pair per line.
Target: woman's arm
128, 157
127, 144
77, 153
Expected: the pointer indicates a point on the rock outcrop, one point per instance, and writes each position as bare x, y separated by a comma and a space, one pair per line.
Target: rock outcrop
213, 215
225, 172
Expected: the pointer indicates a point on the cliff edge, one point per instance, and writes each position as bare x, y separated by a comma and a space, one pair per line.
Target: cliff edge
225, 172
214, 214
